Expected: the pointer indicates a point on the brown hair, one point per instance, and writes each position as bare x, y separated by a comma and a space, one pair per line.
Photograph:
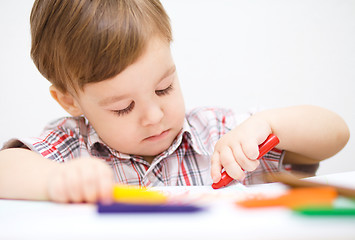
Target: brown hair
75, 42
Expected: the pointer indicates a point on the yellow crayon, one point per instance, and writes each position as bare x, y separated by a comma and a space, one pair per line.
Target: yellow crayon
137, 195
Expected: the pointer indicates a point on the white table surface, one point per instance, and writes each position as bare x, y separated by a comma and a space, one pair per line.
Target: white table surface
222, 219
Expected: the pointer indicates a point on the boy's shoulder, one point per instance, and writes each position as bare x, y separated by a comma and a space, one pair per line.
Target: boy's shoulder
209, 110
68, 130
71, 125
60, 138
208, 124
207, 119
210, 115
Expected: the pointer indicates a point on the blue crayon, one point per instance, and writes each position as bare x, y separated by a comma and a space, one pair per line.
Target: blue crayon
146, 208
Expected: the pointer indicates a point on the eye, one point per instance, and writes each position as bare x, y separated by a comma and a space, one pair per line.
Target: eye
125, 111
164, 91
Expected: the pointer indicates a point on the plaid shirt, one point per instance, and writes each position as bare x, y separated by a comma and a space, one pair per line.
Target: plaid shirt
185, 162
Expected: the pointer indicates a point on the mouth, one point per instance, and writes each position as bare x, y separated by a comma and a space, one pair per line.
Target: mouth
158, 136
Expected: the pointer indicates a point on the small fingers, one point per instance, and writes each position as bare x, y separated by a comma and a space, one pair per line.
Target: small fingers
250, 149
244, 162
89, 184
105, 184
98, 183
83, 180
57, 190
216, 167
230, 164
73, 184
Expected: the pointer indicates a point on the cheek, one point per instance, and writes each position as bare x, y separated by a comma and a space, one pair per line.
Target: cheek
118, 134
180, 100
177, 105
108, 126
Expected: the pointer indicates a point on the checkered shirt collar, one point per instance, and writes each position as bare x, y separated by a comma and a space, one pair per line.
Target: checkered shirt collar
95, 143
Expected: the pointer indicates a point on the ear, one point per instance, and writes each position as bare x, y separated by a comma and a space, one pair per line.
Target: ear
66, 100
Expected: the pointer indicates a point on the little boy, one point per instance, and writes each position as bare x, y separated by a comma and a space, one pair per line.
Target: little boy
111, 69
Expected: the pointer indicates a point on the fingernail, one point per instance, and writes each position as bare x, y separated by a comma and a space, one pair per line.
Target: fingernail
106, 201
215, 179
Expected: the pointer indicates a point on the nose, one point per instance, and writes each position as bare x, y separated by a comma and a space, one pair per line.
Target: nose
152, 113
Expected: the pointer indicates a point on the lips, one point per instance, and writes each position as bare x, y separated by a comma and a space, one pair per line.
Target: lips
157, 136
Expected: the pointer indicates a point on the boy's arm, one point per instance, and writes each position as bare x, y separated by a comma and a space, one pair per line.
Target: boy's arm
309, 134
27, 175
24, 174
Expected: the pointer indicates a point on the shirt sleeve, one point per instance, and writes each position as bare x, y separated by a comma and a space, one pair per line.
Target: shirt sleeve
57, 143
209, 124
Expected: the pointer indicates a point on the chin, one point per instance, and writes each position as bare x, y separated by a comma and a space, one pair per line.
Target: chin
156, 151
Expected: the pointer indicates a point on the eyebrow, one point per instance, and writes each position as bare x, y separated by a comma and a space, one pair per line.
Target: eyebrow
112, 99
169, 72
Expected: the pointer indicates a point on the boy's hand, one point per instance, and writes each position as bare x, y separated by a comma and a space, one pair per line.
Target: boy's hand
238, 149
81, 180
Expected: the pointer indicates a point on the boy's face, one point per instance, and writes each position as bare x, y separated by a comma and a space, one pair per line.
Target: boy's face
141, 110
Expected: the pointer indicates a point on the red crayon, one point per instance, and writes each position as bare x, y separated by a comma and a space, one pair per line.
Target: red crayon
265, 147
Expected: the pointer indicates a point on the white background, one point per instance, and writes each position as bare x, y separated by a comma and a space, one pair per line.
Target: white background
239, 54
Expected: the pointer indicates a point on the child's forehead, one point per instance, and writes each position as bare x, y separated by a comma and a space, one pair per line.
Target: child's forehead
102, 44
152, 67
151, 46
